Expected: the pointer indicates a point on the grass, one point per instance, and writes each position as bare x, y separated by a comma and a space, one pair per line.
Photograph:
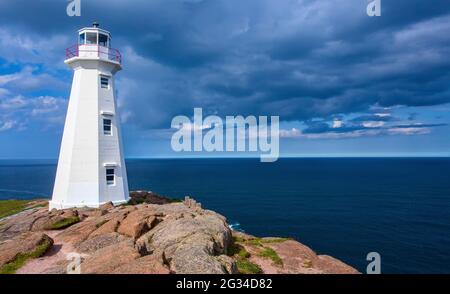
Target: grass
246, 267
238, 250
64, 223
11, 207
274, 240
260, 241
254, 242
271, 254
238, 239
19, 261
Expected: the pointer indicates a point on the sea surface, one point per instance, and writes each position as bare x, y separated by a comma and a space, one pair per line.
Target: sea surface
346, 207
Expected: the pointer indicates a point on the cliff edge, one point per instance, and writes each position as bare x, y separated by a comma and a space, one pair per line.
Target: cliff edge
151, 235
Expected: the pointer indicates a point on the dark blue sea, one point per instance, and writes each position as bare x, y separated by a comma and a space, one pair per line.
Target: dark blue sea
398, 207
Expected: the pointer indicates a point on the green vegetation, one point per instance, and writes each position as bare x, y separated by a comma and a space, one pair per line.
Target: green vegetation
11, 207
246, 267
254, 242
274, 240
64, 223
132, 202
150, 199
19, 261
238, 250
238, 240
271, 254
260, 241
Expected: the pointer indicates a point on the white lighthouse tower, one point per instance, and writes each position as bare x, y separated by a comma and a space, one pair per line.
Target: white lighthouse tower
91, 167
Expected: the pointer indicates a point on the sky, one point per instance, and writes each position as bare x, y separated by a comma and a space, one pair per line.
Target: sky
342, 83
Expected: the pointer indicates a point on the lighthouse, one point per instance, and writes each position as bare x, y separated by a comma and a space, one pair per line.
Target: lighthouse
91, 168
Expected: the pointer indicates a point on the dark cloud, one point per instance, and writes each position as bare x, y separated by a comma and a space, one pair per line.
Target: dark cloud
297, 59
411, 126
323, 127
374, 117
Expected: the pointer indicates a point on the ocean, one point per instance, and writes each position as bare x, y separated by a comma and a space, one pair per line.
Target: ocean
343, 207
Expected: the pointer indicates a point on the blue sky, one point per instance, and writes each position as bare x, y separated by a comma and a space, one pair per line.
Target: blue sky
343, 84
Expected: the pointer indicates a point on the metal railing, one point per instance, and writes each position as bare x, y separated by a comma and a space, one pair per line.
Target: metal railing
95, 50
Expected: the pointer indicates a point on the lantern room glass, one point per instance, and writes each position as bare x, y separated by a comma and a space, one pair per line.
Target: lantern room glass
82, 39
103, 40
93, 38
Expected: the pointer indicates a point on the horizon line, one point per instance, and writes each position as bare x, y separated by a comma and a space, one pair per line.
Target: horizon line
257, 157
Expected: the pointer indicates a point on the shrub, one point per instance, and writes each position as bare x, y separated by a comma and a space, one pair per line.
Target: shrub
271, 254
64, 223
246, 267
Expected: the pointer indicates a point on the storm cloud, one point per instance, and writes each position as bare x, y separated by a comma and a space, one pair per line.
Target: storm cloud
299, 59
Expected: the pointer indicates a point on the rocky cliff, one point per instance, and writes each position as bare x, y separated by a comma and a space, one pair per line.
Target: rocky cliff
152, 235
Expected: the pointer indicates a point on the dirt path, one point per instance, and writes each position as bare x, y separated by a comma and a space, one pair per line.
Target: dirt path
55, 255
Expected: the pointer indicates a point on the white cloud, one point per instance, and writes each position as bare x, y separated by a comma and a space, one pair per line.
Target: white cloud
47, 110
17, 47
409, 131
27, 79
337, 123
12, 103
292, 133
373, 124
4, 79
6, 125
383, 114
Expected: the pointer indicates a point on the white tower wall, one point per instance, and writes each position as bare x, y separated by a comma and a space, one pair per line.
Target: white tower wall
86, 152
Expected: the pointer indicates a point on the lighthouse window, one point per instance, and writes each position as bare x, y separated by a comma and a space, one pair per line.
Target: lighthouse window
107, 127
82, 38
103, 40
104, 82
91, 38
110, 177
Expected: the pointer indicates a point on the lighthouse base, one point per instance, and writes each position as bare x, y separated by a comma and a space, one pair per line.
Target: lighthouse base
61, 205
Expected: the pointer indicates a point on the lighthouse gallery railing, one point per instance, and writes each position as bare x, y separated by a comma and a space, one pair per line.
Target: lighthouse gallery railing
98, 51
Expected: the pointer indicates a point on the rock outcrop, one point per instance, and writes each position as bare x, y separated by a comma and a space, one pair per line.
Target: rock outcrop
287, 256
156, 236
23, 245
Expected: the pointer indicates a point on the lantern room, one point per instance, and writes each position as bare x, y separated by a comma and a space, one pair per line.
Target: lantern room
94, 42
94, 36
